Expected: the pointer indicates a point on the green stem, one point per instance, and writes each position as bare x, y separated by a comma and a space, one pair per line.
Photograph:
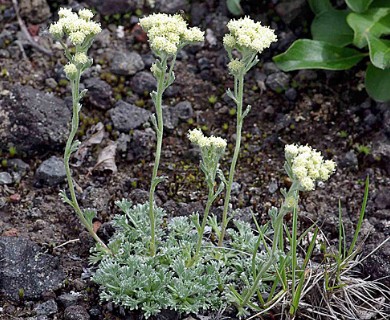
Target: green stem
239, 96
74, 127
161, 86
203, 226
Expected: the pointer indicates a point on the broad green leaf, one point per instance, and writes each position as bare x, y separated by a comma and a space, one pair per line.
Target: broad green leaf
380, 4
378, 83
379, 52
311, 54
358, 5
332, 27
234, 7
320, 6
375, 22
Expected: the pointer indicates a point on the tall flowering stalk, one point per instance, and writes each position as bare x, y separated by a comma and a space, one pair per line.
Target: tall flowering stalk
167, 35
80, 30
248, 38
212, 149
304, 166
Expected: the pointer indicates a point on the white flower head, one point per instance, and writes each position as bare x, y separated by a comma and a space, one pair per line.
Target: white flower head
308, 165
64, 12
236, 66
85, 14
196, 136
57, 30
77, 38
167, 33
70, 70
290, 150
77, 26
247, 34
81, 58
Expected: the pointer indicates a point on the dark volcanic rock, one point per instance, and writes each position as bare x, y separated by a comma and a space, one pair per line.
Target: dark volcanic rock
143, 81
24, 268
76, 313
108, 7
172, 6
142, 144
126, 117
51, 171
99, 93
46, 308
33, 120
126, 63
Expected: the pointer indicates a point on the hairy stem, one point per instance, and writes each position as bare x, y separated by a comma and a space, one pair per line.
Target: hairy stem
161, 86
238, 91
68, 150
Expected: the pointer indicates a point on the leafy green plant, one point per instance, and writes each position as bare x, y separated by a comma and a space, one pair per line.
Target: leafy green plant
153, 262
363, 25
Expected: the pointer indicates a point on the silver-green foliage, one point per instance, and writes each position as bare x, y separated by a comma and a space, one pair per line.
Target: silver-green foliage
132, 278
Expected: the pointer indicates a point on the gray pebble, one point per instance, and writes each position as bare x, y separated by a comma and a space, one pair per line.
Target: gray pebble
126, 117
5, 178
51, 171
126, 63
46, 308
184, 110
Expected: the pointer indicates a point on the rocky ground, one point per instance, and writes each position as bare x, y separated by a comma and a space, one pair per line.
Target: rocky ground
43, 248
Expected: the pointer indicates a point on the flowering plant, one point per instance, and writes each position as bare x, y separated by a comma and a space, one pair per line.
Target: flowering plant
152, 264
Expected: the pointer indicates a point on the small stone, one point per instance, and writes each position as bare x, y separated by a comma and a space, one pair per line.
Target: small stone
99, 93
143, 82
270, 67
51, 171
110, 7
47, 308
172, 6
306, 75
51, 83
4, 54
236, 187
349, 160
291, 94
142, 144
15, 197
184, 110
95, 312
273, 187
68, 299
126, 117
278, 81
5, 178
76, 313
126, 63
122, 142
170, 117
382, 200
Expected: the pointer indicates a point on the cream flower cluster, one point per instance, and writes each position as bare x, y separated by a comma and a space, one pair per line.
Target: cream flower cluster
308, 165
77, 26
247, 34
196, 136
168, 32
